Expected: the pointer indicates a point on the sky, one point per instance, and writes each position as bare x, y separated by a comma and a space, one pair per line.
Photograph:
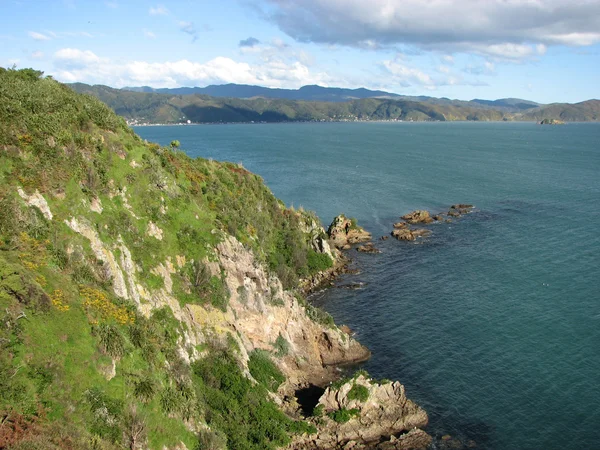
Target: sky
541, 50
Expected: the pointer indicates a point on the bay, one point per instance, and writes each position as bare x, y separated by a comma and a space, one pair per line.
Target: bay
493, 322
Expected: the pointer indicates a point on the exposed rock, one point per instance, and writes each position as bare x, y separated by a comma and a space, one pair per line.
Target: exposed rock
96, 205
454, 213
102, 253
414, 439
154, 231
368, 248
400, 225
461, 206
313, 348
384, 238
344, 232
438, 217
38, 201
405, 234
385, 412
418, 216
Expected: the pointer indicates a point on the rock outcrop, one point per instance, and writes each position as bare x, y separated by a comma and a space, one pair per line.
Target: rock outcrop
406, 234
344, 232
379, 417
418, 216
260, 311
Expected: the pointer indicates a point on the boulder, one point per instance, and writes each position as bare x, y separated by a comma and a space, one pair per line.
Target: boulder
403, 234
400, 225
343, 232
418, 216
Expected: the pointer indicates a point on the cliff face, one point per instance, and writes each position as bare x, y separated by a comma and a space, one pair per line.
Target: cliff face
148, 300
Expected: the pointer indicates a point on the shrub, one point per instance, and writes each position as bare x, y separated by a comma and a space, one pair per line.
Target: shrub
281, 346
317, 262
264, 371
358, 392
112, 341
343, 415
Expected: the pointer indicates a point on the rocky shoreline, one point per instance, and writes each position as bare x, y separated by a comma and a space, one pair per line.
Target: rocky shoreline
380, 417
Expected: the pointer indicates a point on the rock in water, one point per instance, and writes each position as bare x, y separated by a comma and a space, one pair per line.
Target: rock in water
381, 410
368, 248
343, 232
418, 216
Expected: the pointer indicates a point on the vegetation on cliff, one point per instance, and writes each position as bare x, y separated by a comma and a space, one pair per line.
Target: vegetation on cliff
92, 357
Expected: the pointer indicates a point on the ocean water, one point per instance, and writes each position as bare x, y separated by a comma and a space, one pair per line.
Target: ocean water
493, 322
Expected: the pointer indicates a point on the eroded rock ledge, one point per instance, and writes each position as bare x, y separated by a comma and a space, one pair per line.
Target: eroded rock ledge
363, 413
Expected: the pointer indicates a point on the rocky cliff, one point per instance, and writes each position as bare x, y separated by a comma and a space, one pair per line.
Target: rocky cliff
149, 300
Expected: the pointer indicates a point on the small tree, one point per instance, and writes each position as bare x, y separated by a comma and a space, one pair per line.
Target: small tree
175, 144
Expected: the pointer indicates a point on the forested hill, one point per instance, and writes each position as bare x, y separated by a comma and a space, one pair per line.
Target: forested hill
154, 107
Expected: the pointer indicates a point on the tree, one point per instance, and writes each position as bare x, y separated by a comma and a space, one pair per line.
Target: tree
175, 144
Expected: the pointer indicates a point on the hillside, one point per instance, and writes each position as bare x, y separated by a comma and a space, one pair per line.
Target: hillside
588, 111
165, 108
150, 300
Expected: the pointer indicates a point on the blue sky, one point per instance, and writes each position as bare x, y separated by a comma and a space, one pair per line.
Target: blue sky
542, 50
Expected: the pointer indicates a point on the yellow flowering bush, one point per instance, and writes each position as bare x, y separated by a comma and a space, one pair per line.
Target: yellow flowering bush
97, 302
58, 300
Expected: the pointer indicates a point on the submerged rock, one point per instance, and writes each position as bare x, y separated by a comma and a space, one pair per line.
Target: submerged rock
368, 248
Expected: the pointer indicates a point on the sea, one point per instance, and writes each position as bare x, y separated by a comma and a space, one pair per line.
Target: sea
492, 323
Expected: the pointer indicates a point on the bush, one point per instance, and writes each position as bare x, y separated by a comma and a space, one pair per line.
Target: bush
358, 392
344, 415
112, 341
318, 262
264, 371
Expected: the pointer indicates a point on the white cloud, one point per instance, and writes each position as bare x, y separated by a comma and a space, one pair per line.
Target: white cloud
84, 66
508, 29
39, 36
407, 76
159, 10
75, 59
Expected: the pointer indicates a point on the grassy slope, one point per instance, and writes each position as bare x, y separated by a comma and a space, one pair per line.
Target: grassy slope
62, 329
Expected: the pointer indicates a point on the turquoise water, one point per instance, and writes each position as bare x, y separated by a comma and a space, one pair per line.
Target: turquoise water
492, 323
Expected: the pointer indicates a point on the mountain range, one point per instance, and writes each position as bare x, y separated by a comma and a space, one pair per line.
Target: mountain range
246, 103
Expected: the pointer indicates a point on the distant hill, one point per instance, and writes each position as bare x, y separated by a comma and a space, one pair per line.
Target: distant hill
152, 107
587, 111
308, 93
